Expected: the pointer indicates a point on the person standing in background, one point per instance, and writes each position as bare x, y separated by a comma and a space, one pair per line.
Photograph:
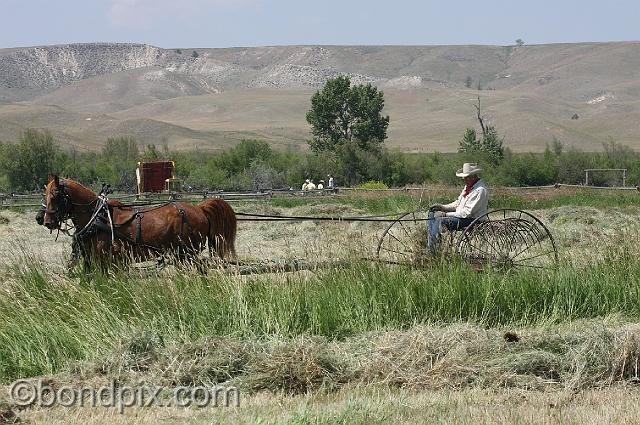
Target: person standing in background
311, 185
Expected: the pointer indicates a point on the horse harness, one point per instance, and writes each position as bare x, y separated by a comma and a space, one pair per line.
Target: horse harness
102, 222
138, 215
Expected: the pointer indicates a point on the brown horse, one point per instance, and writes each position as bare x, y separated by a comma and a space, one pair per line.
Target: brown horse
107, 229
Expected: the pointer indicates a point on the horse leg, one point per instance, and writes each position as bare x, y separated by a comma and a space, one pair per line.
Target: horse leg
86, 264
210, 246
75, 256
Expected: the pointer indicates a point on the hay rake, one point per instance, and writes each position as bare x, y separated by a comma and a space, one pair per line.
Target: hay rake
502, 239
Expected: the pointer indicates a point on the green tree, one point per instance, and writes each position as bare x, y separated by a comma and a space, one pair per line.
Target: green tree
28, 164
151, 153
490, 145
469, 142
120, 158
556, 147
519, 42
240, 157
123, 149
340, 113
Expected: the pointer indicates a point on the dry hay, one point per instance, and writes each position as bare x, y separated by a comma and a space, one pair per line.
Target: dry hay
576, 231
585, 354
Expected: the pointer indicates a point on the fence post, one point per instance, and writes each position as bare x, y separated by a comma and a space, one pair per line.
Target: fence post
586, 177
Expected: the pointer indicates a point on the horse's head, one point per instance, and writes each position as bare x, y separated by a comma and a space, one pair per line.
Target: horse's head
56, 205
40, 214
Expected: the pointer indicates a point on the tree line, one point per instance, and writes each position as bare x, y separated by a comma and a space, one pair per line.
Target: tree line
349, 131
255, 165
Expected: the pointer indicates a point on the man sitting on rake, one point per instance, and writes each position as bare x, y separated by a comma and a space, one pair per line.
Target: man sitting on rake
471, 204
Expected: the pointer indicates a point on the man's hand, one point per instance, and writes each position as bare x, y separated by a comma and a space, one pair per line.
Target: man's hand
436, 207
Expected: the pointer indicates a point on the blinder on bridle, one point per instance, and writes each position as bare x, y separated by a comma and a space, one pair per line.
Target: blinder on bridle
41, 211
61, 208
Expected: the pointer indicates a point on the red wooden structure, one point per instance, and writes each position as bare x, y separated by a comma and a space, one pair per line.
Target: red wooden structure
152, 176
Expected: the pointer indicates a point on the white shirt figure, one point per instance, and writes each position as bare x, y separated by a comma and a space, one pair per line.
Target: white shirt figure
305, 185
311, 186
330, 183
320, 185
473, 205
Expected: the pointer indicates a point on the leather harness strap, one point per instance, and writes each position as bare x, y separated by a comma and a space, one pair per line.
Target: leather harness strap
183, 221
138, 216
101, 225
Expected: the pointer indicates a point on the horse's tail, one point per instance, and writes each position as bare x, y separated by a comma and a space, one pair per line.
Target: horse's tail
222, 226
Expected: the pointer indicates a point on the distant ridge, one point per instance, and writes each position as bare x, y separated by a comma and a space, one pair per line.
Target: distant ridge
211, 98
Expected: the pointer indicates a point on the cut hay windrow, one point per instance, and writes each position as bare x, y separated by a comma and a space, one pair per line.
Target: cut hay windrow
50, 320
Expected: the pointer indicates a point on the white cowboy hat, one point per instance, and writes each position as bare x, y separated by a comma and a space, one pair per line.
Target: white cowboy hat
468, 169
306, 181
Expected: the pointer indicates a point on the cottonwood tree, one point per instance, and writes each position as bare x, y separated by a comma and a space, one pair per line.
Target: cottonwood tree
348, 125
342, 113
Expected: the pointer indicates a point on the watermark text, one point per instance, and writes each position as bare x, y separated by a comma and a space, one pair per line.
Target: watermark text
41, 393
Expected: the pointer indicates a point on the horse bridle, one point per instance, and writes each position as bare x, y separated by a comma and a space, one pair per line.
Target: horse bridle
61, 205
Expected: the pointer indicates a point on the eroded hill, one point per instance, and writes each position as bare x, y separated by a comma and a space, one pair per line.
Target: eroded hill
207, 98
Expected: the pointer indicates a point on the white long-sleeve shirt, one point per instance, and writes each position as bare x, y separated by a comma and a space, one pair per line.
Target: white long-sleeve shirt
473, 205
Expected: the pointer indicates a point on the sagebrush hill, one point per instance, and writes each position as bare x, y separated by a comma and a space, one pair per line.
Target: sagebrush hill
582, 94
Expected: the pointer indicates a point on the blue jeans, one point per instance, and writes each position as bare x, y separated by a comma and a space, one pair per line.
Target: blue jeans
436, 223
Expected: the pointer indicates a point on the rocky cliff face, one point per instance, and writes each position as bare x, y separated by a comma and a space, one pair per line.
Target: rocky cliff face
40, 69
29, 72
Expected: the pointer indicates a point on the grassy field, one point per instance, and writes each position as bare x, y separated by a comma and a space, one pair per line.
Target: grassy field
355, 343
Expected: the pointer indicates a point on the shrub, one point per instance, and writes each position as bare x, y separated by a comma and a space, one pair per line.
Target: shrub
373, 184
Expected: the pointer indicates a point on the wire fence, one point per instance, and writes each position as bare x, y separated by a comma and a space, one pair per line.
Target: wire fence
34, 200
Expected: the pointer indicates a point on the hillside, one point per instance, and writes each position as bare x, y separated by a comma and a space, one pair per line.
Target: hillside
84, 93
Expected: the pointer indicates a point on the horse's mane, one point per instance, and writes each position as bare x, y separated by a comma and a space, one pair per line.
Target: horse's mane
72, 183
111, 202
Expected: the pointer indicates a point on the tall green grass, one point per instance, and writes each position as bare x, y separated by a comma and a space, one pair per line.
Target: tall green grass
376, 203
48, 321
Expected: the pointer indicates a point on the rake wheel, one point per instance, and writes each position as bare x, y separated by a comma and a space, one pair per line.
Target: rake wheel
403, 241
506, 239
